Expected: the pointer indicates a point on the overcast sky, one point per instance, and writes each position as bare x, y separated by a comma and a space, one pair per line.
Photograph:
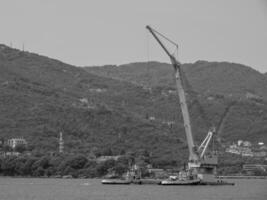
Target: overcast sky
98, 32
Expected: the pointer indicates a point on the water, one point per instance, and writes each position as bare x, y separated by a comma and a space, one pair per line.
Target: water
91, 189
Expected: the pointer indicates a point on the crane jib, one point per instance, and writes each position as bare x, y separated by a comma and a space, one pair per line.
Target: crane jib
193, 155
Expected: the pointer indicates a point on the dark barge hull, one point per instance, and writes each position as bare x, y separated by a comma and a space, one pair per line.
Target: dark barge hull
115, 182
216, 183
147, 182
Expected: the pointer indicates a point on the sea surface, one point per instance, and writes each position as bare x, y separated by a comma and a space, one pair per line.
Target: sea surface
92, 189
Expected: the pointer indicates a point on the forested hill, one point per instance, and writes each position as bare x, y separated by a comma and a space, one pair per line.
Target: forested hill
113, 110
39, 97
229, 96
205, 77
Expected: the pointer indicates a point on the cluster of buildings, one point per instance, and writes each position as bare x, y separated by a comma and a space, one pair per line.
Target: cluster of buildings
245, 148
14, 142
249, 168
9, 147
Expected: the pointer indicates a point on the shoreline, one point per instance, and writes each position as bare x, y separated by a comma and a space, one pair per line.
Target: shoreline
99, 178
241, 177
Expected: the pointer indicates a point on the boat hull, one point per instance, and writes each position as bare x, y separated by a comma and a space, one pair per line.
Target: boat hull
147, 181
180, 182
115, 182
216, 183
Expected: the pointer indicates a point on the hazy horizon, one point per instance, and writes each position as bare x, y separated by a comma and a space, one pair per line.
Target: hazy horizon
95, 33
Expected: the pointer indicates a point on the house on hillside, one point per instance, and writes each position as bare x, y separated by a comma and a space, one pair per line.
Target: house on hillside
16, 141
105, 158
260, 153
241, 148
253, 167
232, 149
247, 144
152, 118
252, 96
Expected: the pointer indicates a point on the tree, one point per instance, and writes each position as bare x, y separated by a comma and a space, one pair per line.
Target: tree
27, 168
7, 148
76, 162
103, 167
8, 165
39, 171
20, 148
120, 168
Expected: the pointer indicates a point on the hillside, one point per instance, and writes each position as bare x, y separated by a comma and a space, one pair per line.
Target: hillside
218, 92
121, 109
41, 96
223, 78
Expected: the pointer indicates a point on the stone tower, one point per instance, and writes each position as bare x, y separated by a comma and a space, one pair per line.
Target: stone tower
61, 143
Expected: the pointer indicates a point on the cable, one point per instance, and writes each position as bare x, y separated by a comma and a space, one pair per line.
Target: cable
169, 40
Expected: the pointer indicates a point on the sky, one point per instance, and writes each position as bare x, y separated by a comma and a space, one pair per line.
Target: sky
100, 32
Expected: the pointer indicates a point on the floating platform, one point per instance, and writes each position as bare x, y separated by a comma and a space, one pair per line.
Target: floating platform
147, 181
242, 177
126, 182
195, 182
219, 182
180, 182
115, 182
164, 182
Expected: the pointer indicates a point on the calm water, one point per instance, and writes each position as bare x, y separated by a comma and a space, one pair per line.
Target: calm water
89, 189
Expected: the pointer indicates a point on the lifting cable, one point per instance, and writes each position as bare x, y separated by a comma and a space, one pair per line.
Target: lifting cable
187, 85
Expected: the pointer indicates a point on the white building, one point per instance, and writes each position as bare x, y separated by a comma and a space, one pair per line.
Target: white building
247, 144
239, 142
105, 158
16, 141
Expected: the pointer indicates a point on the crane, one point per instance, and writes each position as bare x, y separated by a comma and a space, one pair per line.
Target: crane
198, 162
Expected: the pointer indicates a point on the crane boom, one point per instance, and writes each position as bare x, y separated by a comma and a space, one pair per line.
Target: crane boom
193, 155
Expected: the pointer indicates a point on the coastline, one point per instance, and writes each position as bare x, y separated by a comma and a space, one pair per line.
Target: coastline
241, 177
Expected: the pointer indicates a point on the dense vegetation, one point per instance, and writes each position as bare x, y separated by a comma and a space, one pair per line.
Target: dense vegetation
76, 165
60, 165
215, 90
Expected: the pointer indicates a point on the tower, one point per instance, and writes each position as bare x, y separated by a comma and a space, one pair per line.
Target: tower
61, 143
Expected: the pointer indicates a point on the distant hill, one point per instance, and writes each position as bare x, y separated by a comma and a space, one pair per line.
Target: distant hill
218, 87
205, 77
40, 96
126, 108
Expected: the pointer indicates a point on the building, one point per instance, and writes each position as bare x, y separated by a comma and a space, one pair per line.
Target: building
232, 149
260, 154
239, 142
253, 167
152, 118
240, 149
247, 144
252, 96
16, 141
105, 158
